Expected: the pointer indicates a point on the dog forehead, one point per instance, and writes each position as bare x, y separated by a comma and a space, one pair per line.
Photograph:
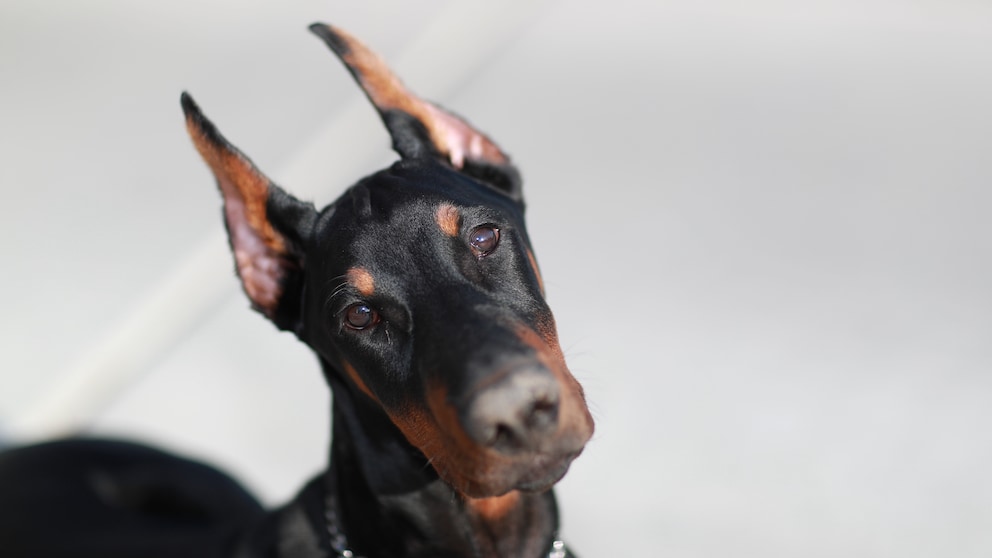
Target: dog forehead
409, 181
405, 206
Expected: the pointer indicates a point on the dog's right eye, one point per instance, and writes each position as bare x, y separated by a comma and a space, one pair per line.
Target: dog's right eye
484, 240
360, 316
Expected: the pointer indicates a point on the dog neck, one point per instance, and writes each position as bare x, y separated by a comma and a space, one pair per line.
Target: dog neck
390, 501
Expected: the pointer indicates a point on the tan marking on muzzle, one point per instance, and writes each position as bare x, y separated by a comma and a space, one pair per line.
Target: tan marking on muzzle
434, 427
436, 431
574, 418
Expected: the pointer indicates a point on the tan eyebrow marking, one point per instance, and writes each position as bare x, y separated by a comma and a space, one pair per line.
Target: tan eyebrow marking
361, 279
449, 219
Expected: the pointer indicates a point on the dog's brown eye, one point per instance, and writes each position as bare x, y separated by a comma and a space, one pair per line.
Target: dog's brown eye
360, 316
484, 240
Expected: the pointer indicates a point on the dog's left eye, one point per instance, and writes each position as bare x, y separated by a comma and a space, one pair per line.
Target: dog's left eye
484, 240
360, 316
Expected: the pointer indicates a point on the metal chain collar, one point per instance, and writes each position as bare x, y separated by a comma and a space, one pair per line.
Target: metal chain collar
339, 543
558, 550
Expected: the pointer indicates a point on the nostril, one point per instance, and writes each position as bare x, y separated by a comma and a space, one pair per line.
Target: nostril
543, 413
504, 439
518, 413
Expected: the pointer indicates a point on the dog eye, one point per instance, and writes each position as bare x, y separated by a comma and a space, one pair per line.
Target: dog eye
360, 316
484, 240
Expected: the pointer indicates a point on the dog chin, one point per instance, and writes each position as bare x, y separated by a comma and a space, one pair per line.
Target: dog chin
543, 478
535, 475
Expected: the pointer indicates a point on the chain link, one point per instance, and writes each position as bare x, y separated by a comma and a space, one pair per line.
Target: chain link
339, 543
558, 550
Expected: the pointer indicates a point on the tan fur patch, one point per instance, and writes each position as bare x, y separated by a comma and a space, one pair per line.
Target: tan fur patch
357, 380
361, 279
436, 432
479, 472
574, 419
496, 508
448, 219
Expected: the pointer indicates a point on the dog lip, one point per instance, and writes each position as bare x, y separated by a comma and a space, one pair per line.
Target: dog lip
547, 476
535, 472
542, 471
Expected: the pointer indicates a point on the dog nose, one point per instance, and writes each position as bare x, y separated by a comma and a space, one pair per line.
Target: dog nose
517, 413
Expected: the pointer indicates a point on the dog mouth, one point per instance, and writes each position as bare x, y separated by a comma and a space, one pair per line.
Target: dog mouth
519, 432
534, 473
546, 474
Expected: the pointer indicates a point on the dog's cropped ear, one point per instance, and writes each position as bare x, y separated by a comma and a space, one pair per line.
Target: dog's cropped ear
420, 128
266, 226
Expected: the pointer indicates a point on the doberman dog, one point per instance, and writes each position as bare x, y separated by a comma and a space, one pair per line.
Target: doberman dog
453, 410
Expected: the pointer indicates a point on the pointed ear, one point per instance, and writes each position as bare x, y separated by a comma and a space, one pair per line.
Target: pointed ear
266, 226
420, 128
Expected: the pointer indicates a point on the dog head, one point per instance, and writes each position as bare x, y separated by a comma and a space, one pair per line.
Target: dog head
418, 286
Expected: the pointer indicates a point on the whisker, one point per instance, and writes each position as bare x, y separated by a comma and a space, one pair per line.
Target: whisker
341, 287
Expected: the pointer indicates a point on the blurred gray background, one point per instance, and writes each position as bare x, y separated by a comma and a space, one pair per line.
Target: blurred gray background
764, 228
